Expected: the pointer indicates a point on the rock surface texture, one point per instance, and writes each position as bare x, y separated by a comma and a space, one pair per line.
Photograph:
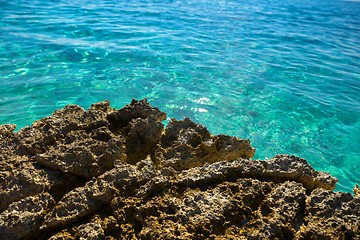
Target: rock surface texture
118, 174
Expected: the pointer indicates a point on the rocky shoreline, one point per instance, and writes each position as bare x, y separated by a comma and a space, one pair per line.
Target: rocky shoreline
118, 174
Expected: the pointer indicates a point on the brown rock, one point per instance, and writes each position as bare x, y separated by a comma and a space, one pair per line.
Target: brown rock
117, 174
199, 214
176, 131
6, 130
136, 109
331, 216
64, 235
21, 179
284, 167
357, 191
142, 137
187, 145
91, 231
9, 144
280, 214
79, 203
23, 218
84, 156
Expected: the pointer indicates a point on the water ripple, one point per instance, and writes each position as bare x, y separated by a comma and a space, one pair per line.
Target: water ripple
285, 74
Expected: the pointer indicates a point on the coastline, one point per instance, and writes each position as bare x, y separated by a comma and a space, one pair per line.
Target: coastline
119, 174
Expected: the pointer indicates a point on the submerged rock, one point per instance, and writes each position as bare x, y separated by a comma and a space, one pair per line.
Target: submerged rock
119, 174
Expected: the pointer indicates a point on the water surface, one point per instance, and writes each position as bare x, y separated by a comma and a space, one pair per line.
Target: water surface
285, 74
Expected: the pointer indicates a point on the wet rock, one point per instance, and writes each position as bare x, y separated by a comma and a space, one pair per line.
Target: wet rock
104, 173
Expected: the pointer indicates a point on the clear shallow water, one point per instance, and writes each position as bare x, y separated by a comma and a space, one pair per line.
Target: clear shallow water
285, 74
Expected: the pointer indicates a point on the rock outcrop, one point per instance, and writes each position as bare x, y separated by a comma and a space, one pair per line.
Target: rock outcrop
118, 174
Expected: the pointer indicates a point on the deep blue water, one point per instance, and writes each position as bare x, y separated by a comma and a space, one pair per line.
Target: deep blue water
285, 74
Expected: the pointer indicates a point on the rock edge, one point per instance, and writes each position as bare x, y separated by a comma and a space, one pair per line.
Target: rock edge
113, 174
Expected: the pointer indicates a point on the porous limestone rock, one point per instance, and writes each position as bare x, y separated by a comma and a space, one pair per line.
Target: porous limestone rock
91, 231
6, 130
22, 219
284, 167
21, 179
79, 203
83, 156
193, 213
357, 190
142, 137
135, 110
330, 215
8, 142
280, 215
186, 144
118, 174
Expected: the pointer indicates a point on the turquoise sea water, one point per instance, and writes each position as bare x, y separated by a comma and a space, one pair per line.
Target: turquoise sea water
285, 74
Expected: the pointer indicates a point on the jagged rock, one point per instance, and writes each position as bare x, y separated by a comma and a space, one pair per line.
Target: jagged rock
294, 168
198, 214
79, 203
186, 144
103, 106
357, 190
8, 142
137, 109
331, 216
117, 174
44, 133
175, 132
96, 228
84, 156
280, 214
21, 179
91, 231
47, 131
142, 137
6, 130
23, 218
62, 236
278, 169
